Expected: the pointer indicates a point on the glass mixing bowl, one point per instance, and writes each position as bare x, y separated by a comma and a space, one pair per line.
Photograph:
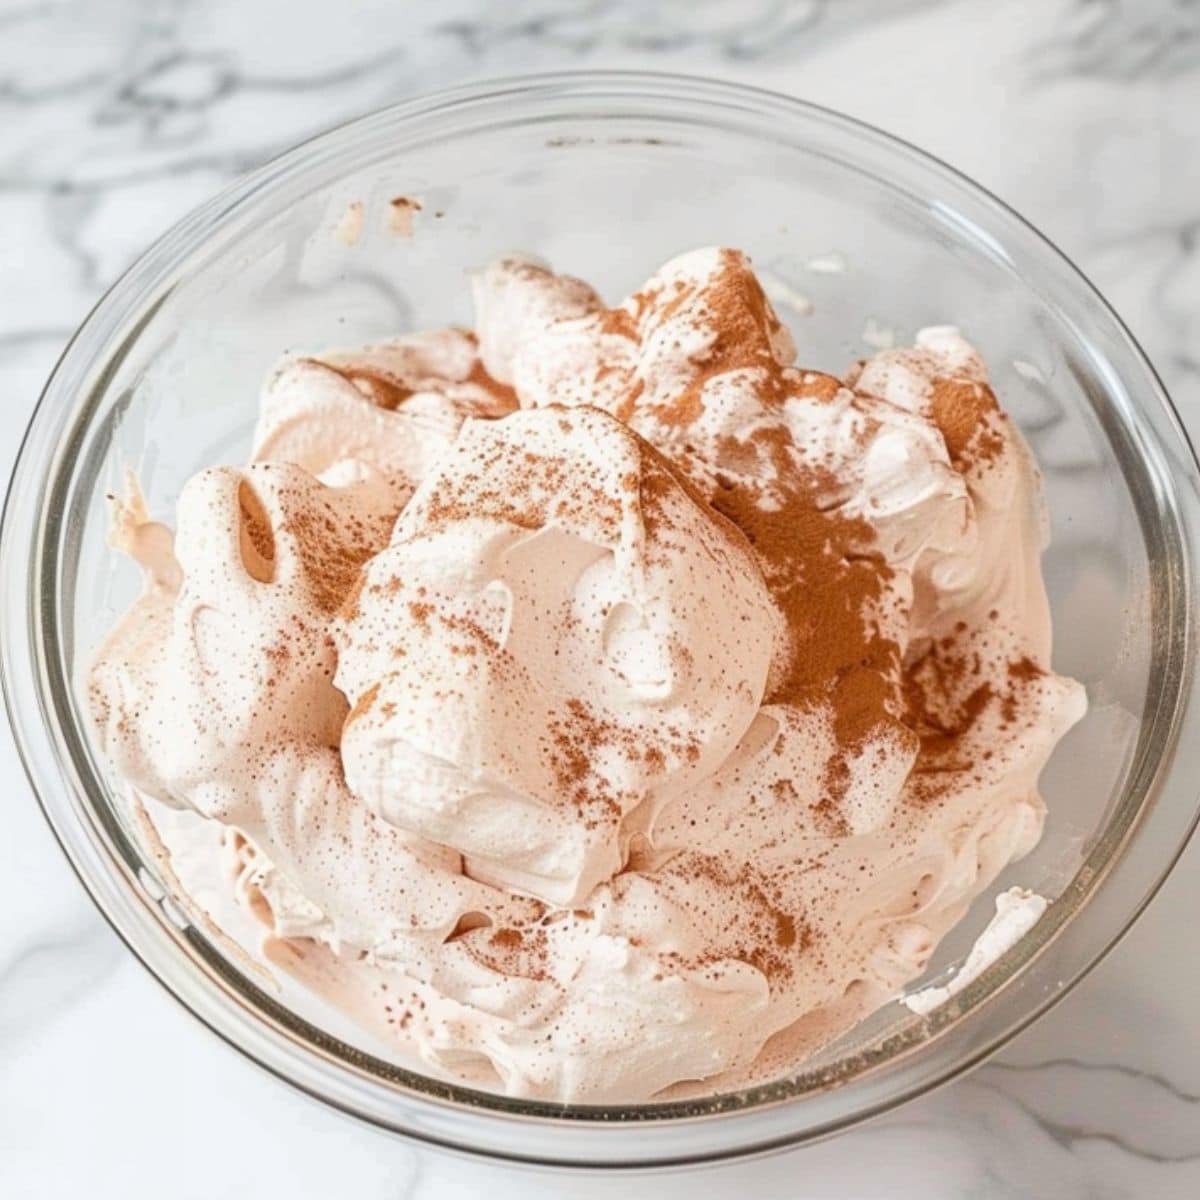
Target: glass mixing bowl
608, 175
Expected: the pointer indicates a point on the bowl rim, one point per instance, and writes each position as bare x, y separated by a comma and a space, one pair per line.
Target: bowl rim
23, 662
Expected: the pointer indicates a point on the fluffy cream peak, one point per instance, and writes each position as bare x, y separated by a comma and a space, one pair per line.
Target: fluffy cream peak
559, 637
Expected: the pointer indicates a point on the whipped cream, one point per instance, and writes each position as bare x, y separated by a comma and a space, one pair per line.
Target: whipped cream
1018, 910
536, 667
600, 705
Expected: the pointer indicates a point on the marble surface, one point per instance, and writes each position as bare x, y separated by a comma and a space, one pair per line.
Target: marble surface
116, 116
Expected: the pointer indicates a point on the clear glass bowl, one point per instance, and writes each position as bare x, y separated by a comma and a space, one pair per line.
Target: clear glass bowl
608, 175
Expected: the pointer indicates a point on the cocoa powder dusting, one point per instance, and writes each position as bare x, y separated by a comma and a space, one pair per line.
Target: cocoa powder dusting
333, 559
948, 689
383, 390
257, 536
765, 933
363, 704
520, 952
733, 307
503, 397
821, 566
391, 389
964, 411
547, 489
579, 738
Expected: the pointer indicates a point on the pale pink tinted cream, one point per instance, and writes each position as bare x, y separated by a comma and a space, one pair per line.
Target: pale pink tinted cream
600, 706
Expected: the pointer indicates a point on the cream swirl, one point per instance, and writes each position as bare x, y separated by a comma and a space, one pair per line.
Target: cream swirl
558, 638
385, 412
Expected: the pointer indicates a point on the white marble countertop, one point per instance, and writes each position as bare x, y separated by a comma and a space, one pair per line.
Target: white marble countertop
116, 116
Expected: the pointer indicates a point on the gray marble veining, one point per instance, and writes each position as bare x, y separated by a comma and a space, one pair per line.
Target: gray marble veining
116, 116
